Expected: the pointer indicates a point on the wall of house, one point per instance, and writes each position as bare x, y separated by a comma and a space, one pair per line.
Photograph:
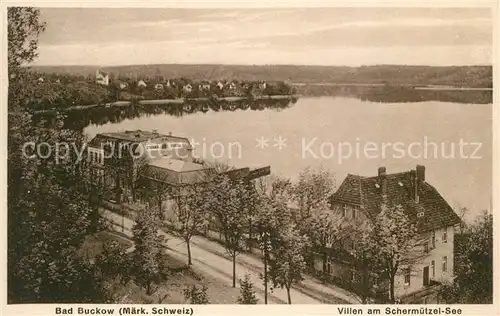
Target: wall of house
360, 213
181, 153
416, 277
337, 269
95, 155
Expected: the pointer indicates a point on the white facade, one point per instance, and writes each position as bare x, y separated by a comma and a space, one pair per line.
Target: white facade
438, 263
101, 78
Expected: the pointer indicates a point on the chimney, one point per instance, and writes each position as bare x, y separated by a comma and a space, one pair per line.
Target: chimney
383, 180
421, 173
414, 185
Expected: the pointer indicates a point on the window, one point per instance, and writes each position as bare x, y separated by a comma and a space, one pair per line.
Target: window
354, 213
344, 210
353, 275
433, 239
445, 264
433, 268
445, 236
426, 246
407, 276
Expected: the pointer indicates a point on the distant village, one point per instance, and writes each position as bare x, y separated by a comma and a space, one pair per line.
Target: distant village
102, 87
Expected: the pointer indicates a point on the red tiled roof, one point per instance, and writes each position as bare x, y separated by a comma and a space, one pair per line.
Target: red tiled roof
367, 193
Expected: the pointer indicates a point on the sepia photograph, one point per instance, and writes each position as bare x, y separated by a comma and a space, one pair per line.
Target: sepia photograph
248, 155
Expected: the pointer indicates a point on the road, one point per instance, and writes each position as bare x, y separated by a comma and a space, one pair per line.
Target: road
210, 258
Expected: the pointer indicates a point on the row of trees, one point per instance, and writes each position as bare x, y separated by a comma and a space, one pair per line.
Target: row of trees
259, 214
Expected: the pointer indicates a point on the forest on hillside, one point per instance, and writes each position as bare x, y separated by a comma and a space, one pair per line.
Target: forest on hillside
460, 76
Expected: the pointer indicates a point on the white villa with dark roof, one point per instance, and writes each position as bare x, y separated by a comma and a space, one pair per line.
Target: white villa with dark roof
360, 198
170, 160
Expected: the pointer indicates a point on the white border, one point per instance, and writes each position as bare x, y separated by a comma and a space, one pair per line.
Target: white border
48, 309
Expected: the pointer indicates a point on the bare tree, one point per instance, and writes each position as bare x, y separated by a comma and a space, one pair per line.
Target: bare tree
287, 261
191, 215
396, 242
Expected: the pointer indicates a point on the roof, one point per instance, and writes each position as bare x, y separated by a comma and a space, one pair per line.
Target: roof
135, 136
175, 171
176, 165
367, 193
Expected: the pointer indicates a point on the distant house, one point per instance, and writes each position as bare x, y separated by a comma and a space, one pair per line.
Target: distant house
188, 88
204, 87
102, 78
359, 199
232, 86
41, 79
158, 86
141, 83
123, 85
58, 80
262, 85
220, 85
168, 84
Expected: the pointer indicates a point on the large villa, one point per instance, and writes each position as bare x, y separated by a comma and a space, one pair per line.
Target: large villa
170, 159
360, 198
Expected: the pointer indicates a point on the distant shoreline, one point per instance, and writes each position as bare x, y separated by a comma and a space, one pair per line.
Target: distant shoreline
405, 75
417, 87
165, 101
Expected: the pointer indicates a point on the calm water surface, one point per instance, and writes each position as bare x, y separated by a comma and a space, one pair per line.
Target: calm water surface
330, 121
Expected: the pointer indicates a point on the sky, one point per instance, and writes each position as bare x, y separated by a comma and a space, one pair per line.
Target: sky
307, 36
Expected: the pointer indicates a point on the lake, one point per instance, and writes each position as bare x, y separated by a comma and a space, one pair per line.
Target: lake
313, 126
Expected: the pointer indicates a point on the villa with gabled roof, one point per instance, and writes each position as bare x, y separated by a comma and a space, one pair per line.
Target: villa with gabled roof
361, 198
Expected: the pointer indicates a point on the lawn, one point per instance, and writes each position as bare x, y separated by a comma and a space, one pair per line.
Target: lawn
94, 244
169, 292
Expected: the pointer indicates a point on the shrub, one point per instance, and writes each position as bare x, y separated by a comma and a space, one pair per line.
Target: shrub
196, 295
247, 293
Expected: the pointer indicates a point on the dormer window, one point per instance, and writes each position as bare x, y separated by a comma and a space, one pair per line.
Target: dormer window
420, 214
345, 208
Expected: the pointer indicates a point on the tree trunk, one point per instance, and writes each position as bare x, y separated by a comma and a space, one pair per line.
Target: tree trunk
132, 188
95, 218
288, 295
250, 233
117, 189
265, 276
391, 289
160, 212
189, 252
234, 269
